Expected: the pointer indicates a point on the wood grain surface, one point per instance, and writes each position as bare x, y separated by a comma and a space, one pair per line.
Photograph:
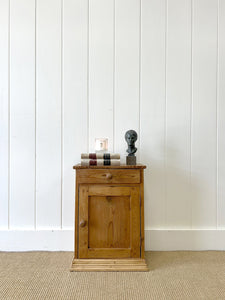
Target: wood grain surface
109, 265
138, 166
108, 176
109, 221
112, 229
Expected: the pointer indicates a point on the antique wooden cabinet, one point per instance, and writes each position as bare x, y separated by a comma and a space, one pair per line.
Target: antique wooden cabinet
109, 219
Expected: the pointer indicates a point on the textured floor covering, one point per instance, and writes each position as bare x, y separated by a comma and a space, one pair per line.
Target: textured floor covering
173, 275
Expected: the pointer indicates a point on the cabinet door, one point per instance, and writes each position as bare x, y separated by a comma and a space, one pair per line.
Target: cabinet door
109, 221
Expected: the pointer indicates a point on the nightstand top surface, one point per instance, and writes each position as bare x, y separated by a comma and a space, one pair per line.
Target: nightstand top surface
138, 166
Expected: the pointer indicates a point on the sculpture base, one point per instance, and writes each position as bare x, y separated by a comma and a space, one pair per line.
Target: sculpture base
131, 160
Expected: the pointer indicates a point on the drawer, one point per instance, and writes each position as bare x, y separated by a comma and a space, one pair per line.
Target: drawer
108, 176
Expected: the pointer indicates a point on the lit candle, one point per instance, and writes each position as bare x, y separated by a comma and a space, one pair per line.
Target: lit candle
101, 144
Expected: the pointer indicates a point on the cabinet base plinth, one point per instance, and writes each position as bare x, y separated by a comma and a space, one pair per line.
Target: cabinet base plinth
109, 265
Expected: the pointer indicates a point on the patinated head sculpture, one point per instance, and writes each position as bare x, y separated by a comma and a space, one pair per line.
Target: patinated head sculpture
131, 137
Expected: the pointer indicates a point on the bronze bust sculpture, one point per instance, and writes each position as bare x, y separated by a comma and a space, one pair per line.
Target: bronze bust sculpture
131, 137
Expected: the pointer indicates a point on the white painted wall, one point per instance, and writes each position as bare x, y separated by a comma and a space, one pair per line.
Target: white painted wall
73, 70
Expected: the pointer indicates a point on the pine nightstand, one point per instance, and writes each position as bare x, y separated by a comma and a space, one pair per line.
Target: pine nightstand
109, 218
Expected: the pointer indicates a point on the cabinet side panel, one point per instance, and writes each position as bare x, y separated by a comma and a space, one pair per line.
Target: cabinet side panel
135, 222
142, 241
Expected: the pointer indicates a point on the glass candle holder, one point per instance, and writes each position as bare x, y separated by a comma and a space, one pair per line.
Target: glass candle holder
101, 145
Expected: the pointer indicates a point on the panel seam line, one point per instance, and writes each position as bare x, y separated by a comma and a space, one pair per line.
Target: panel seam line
114, 66
9, 107
191, 114
165, 114
140, 70
217, 118
88, 112
35, 117
62, 119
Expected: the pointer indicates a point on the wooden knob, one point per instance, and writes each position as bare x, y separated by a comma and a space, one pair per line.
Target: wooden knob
83, 223
109, 176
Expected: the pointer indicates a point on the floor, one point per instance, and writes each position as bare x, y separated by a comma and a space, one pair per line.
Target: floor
172, 275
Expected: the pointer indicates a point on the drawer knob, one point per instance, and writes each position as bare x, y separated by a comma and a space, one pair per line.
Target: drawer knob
109, 176
83, 223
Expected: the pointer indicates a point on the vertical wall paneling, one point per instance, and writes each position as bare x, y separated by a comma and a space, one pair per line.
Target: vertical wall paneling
74, 70
204, 133
48, 128
22, 113
127, 38
101, 24
4, 114
221, 114
178, 114
75, 23
152, 145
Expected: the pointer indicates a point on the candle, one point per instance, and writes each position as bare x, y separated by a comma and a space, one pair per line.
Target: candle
101, 144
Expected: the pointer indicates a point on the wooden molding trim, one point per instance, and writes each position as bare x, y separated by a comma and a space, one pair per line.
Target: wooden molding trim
109, 265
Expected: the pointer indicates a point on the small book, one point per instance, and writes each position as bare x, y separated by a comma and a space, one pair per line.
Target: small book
100, 156
100, 162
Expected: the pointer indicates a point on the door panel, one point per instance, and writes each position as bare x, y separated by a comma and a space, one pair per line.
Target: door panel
109, 221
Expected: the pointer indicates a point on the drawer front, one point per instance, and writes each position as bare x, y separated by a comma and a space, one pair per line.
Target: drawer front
108, 176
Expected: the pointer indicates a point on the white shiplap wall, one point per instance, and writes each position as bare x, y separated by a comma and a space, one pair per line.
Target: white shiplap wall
73, 70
